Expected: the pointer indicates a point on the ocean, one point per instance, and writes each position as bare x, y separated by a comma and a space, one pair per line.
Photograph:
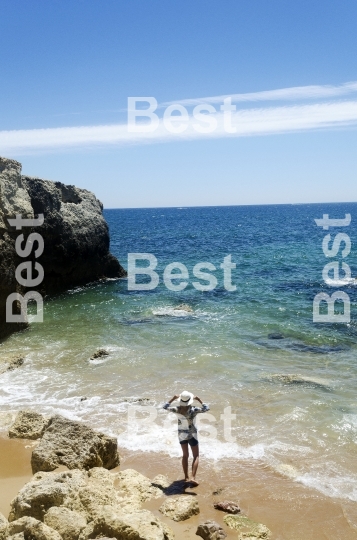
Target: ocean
285, 385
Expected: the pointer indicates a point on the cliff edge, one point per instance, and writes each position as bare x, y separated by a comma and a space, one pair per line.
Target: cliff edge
75, 234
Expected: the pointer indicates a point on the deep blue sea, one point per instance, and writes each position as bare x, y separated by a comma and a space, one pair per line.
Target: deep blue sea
289, 381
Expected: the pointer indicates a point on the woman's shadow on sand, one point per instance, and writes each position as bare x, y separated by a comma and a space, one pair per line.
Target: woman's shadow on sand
177, 487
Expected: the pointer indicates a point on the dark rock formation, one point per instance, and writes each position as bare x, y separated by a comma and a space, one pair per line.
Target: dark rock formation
76, 236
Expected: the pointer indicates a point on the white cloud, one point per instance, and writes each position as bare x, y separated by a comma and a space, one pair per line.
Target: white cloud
247, 121
281, 94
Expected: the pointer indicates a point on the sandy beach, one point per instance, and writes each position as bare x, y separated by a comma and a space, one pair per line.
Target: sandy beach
289, 510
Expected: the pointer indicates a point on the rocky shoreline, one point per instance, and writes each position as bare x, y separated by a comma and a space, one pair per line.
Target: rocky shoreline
77, 492
74, 231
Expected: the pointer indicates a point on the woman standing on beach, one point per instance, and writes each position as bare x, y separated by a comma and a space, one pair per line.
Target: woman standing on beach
187, 430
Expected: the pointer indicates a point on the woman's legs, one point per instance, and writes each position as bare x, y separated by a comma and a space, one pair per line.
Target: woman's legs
185, 459
195, 462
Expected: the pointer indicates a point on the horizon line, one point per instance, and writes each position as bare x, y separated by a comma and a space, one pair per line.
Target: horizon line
224, 205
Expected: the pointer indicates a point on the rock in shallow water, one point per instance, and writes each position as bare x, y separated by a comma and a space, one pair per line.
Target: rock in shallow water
180, 508
12, 363
275, 335
300, 379
184, 307
227, 506
99, 354
74, 445
247, 528
210, 530
28, 425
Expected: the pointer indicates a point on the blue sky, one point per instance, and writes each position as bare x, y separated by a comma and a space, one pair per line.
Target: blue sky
73, 64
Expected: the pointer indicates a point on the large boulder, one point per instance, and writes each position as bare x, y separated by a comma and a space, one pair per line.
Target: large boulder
46, 490
75, 234
210, 530
67, 523
81, 491
74, 445
180, 508
28, 425
247, 528
84, 492
90, 504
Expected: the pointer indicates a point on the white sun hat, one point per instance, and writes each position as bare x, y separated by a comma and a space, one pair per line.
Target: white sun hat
186, 398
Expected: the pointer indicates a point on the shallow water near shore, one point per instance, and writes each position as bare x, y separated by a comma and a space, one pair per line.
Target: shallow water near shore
228, 349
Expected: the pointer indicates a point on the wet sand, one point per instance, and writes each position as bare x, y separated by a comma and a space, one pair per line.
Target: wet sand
291, 511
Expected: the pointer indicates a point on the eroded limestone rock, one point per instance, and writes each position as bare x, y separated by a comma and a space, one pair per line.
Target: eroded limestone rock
46, 490
90, 504
85, 492
141, 525
135, 488
74, 445
28, 425
67, 523
31, 529
3, 527
180, 508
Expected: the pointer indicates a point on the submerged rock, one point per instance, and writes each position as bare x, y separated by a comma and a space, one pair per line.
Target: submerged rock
184, 307
99, 354
75, 234
247, 528
180, 508
227, 506
218, 491
28, 425
299, 379
141, 400
12, 363
210, 530
275, 335
74, 445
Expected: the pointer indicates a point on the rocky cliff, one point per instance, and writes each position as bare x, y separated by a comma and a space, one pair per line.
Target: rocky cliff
75, 234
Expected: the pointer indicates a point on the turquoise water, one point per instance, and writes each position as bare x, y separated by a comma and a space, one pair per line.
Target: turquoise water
221, 347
